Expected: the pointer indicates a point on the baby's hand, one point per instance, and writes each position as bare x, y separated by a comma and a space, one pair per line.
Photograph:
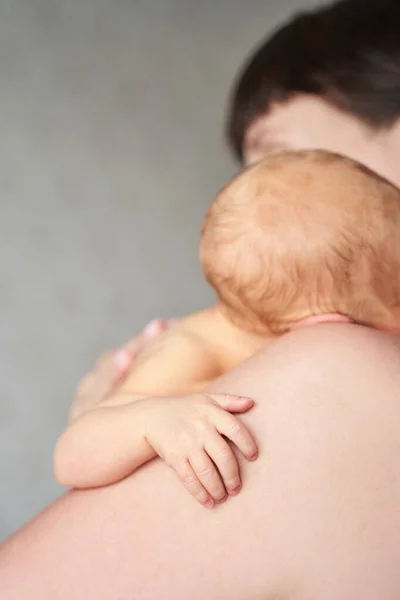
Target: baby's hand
187, 434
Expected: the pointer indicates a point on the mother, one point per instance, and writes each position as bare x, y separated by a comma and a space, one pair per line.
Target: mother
318, 517
319, 514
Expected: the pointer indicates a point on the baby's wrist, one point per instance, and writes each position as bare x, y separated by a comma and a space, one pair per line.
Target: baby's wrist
140, 419
142, 412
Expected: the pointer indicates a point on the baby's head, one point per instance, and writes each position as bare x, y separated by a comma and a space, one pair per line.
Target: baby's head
301, 234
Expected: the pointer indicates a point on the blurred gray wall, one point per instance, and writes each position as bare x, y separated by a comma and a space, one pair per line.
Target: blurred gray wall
111, 148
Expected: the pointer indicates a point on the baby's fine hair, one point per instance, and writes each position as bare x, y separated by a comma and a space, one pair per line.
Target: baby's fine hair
300, 234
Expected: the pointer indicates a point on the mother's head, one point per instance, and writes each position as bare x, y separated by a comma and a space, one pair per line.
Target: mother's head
328, 79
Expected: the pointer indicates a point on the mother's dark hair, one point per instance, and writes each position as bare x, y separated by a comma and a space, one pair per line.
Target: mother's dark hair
348, 53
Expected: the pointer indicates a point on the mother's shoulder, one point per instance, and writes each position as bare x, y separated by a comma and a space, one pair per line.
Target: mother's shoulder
333, 341
324, 358
325, 354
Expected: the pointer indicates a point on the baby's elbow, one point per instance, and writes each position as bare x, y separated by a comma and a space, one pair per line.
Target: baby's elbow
65, 466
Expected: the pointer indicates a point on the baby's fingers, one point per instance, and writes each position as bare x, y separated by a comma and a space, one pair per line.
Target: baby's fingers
231, 403
191, 482
226, 462
233, 429
208, 475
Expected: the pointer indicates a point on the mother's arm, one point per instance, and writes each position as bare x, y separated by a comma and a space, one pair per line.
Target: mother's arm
318, 514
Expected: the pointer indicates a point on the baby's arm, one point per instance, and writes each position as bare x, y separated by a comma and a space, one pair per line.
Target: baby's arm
179, 361
110, 442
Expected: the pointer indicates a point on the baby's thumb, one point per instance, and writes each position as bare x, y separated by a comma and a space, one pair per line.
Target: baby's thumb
123, 359
232, 403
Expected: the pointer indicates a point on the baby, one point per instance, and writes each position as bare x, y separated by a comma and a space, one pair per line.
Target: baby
301, 238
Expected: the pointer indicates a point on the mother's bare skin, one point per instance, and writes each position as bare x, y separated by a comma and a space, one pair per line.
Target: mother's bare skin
318, 517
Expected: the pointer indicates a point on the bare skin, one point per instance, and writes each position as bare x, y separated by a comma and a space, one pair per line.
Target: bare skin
304, 122
318, 516
307, 122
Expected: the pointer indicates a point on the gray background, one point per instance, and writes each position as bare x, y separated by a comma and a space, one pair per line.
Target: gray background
111, 148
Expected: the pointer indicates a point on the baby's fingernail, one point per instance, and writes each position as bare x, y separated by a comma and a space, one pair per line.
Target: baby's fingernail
235, 490
153, 328
239, 398
122, 360
209, 503
254, 456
